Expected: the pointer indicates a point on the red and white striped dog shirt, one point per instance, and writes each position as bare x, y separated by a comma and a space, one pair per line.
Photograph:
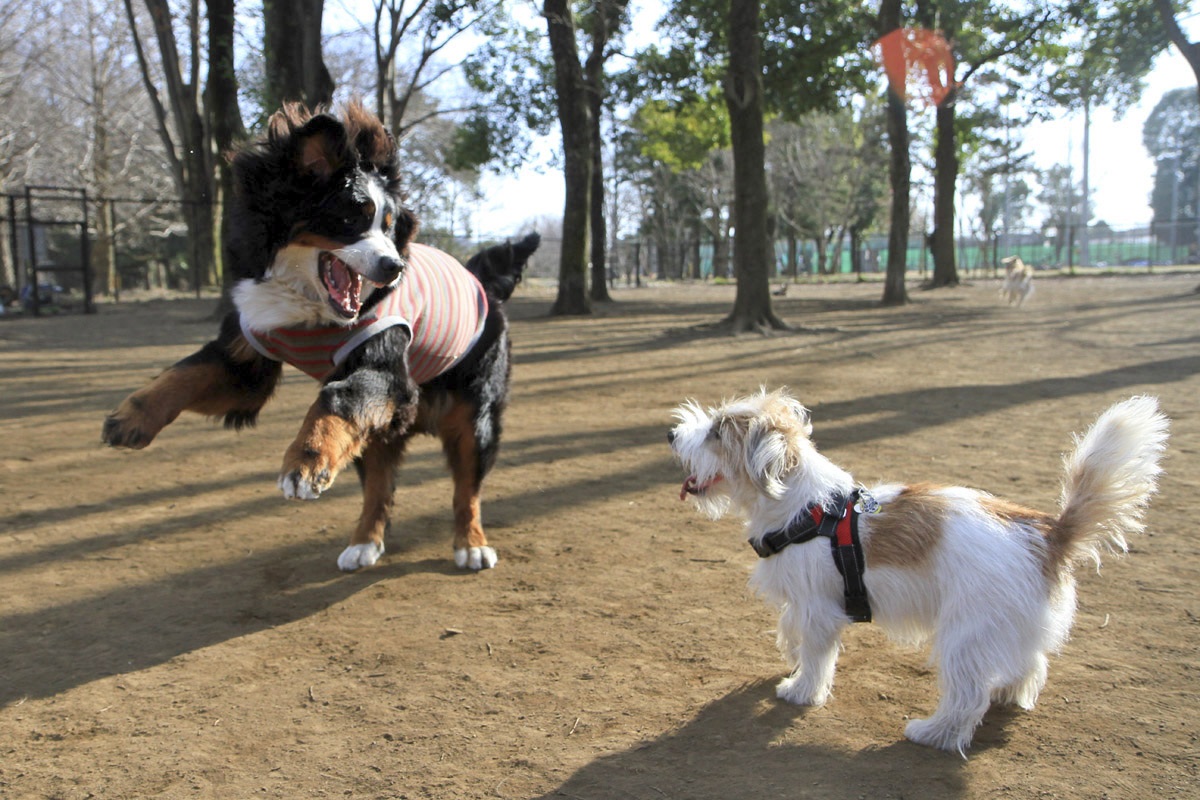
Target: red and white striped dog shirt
442, 305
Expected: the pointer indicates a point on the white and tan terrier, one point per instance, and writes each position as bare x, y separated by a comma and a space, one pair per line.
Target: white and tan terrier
1018, 281
988, 583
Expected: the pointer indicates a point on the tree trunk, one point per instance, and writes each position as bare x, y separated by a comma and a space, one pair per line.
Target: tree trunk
295, 70
105, 251
599, 223
575, 121
856, 260
945, 176
191, 160
751, 245
225, 126
899, 173
793, 245
1190, 50
594, 77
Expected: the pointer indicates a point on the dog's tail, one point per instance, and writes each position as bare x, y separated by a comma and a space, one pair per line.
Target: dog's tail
499, 267
1108, 481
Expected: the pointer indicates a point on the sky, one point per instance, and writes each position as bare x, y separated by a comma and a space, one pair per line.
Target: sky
1121, 171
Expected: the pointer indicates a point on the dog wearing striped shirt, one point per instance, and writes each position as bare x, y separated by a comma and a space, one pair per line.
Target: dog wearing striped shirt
402, 337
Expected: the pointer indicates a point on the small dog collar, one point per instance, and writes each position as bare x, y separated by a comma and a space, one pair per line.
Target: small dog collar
841, 528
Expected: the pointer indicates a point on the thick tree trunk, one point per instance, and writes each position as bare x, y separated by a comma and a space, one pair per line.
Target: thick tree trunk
751, 244
225, 126
899, 172
575, 121
1190, 50
599, 223
295, 70
594, 76
945, 176
191, 160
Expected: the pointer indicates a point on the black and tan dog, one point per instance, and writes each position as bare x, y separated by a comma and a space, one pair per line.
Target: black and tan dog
403, 338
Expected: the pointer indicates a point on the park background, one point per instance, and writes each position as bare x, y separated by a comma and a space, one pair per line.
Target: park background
122, 136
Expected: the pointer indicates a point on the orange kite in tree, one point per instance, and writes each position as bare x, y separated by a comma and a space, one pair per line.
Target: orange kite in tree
919, 54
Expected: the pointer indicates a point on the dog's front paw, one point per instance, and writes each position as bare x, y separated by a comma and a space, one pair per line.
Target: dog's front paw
300, 485
357, 556
129, 426
798, 691
475, 558
935, 733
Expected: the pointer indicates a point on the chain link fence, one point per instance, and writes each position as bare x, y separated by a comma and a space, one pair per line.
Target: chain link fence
75, 247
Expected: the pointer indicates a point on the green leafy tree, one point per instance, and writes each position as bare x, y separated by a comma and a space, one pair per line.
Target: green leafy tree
1172, 137
1189, 49
981, 33
1063, 198
778, 57
1109, 50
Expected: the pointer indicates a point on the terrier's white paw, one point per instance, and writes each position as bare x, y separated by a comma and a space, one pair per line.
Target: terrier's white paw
798, 691
933, 733
296, 487
357, 556
475, 558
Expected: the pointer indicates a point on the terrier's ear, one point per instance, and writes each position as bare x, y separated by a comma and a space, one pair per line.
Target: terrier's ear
801, 414
768, 459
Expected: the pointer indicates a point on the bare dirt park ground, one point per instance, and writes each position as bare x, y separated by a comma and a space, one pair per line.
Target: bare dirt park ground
171, 627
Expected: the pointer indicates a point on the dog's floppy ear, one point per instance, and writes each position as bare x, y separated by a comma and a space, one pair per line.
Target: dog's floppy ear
319, 148
768, 456
801, 414
406, 227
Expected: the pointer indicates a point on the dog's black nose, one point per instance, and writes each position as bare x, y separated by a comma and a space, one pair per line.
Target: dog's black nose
671, 437
388, 269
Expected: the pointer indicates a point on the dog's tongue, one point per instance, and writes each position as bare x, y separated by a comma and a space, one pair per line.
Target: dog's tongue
688, 486
344, 285
693, 486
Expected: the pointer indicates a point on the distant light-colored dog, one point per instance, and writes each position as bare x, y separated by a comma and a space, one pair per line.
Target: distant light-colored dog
1018, 281
989, 583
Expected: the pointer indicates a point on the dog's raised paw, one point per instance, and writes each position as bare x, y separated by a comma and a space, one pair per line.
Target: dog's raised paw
295, 485
357, 556
475, 558
798, 691
125, 430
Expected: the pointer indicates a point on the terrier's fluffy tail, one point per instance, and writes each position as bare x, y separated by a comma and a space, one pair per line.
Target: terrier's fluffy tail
1108, 481
499, 267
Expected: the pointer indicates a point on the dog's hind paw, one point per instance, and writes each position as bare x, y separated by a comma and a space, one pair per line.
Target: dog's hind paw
297, 486
357, 556
475, 558
800, 692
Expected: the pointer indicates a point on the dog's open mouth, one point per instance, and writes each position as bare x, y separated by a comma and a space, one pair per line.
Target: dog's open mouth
693, 486
343, 284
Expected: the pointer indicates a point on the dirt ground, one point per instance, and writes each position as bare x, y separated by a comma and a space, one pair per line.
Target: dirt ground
171, 627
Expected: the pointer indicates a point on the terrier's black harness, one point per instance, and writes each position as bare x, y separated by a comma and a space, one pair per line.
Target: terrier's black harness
840, 527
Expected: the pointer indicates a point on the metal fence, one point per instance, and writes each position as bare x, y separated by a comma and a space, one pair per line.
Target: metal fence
73, 246
1068, 247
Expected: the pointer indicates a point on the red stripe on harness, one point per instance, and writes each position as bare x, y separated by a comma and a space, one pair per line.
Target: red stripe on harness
843, 528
